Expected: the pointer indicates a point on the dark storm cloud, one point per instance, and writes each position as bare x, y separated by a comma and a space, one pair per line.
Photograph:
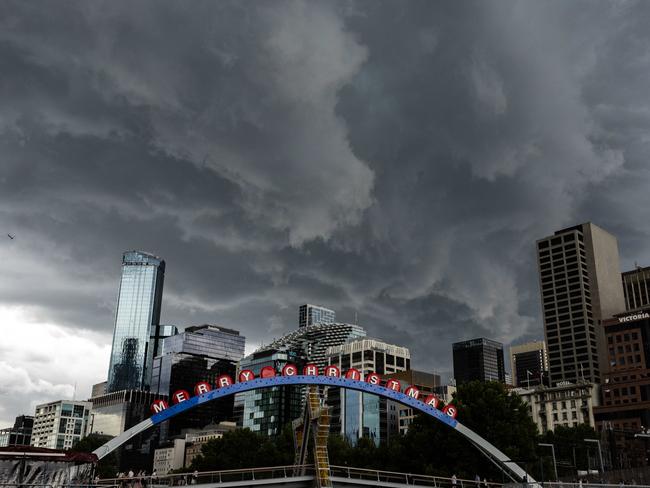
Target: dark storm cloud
391, 160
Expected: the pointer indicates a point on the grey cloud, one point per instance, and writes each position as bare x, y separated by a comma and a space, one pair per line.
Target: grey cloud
391, 160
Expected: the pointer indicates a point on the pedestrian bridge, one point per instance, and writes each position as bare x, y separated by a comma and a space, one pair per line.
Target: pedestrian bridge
295, 477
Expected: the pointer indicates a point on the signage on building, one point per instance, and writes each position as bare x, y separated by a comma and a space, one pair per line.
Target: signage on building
309, 370
634, 316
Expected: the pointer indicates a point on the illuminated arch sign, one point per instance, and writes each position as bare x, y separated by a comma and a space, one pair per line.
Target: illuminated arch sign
225, 385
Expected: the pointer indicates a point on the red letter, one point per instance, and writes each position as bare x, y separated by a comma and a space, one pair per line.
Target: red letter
246, 375
180, 396
224, 380
393, 385
310, 370
352, 374
450, 410
332, 371
267, 372
201, 388
158, 406
289, 370
432, 401
373, 379
413, 392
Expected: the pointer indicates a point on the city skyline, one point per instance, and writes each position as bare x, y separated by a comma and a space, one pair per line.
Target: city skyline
305, 158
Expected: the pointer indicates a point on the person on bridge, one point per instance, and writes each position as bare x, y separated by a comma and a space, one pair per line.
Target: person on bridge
454, 480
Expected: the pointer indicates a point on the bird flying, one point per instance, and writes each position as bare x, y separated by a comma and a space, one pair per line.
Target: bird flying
11, 237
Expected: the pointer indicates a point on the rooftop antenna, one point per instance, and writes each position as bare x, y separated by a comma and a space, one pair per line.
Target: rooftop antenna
74, 392
356, 318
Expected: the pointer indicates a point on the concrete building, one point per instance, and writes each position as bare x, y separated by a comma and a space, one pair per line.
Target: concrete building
445, 392
427, 383
58, 425
565, 404
636, 288
170, 457
529, 364
580, 285
314, 314
99, 389
18, 435
354, 414
478, 360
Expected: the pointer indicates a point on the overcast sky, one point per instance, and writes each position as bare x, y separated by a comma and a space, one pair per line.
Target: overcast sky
391, 159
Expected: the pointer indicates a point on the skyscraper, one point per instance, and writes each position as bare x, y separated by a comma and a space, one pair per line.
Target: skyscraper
314, 314
580, 285
478, 359
136, 338
529, 363
636, 288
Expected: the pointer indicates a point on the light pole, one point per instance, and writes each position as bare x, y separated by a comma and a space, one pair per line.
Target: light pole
600, 455
541, 444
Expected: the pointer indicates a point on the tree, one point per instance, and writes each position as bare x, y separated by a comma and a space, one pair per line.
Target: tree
107, 466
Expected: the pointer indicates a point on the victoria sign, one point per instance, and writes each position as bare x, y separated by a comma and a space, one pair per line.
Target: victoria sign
245, 375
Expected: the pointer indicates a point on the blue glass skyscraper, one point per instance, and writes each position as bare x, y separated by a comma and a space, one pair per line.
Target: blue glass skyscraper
136, 339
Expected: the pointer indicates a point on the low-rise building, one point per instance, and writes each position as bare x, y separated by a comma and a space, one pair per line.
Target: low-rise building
194, 441
170, 457
58, 425
566, 404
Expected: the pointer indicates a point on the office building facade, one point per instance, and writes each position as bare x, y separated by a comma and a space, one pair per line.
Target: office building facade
58, 425
137, 321
267, 411
201, 353
315, 314
529, 364
18, 435
636, 288
478, 360
355, 414
580, 284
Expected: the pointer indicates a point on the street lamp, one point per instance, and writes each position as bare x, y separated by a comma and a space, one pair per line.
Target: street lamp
600, 455
541, 444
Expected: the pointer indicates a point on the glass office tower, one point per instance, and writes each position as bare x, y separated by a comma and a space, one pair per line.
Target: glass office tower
136, 336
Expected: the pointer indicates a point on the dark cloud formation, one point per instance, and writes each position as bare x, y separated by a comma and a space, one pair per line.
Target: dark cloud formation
394, 160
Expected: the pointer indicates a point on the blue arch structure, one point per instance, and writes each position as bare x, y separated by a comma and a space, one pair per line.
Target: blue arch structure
498, 457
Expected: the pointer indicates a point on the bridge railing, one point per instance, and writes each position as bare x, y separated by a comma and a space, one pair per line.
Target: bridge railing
407, 478
230, 475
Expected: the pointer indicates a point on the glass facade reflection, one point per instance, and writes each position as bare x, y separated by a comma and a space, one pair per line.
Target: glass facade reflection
314, 314
201, 353
136, 322
355, 414
478, 360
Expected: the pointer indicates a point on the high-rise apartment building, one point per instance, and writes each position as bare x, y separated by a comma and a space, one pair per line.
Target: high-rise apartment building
136, 338
355, 414
636, 288
580, 285
58, 425
201, 353
478, 360
268, 410
529, 364
315, 314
